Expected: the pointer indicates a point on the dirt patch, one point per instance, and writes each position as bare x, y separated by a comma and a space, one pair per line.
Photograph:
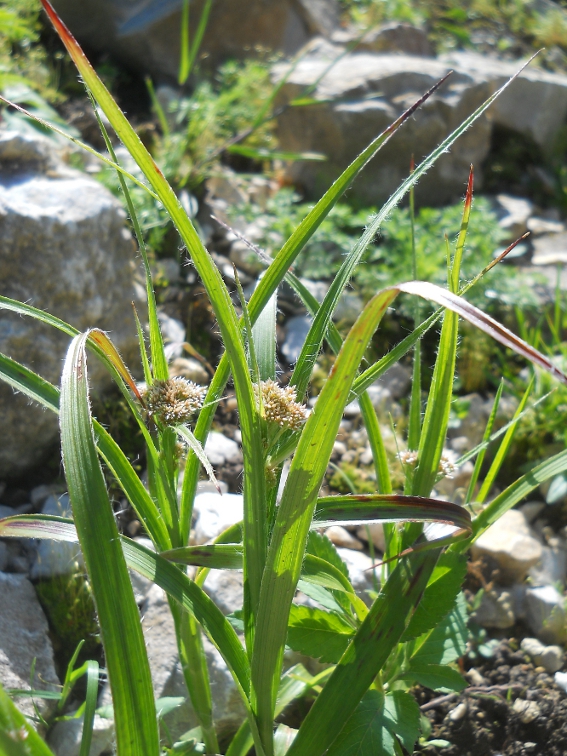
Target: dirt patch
516, 709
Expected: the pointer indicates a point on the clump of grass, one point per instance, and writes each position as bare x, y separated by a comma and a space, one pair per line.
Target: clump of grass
419, 608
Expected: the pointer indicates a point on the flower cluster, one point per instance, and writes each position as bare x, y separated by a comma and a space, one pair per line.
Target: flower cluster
407, 457
447, 466
174, 401
280, 405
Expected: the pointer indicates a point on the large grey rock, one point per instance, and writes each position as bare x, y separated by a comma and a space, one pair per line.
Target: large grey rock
396, 37
167, 675
24, 638
361, 96
64, 249
56, 557
364, 92
511, 544
534, 105
146, 35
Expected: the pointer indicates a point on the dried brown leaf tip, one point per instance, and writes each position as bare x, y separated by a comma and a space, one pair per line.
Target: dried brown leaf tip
174, 401
280, 405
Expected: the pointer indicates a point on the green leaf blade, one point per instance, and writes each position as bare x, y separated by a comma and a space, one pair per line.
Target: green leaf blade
126, 658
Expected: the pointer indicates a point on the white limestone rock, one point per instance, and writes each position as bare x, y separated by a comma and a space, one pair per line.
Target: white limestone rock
215, 513
511, 543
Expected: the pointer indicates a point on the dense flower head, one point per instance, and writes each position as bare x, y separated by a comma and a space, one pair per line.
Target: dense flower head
280, 405
407, 457
174, 401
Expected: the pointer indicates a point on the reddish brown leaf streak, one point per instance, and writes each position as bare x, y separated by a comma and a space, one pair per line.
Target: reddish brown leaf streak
407, 113
469, 195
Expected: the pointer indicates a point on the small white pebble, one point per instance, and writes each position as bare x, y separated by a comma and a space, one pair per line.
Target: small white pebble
341, 537
458, 712
561, 680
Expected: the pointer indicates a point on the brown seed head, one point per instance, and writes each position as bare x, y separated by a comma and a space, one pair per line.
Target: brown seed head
280, 405
174, 401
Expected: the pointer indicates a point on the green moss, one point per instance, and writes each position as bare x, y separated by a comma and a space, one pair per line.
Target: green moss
69, 605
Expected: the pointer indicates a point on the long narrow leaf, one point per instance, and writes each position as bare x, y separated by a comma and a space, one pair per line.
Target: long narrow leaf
366, 654
306, 474
154, 567
125, 651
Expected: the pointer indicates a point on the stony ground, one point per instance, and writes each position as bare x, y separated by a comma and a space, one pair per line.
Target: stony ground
511, 708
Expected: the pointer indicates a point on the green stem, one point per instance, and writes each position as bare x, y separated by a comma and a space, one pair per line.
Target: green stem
195, 672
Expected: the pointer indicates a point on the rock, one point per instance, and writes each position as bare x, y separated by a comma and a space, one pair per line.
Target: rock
3, 556
173, 332
550, 249
545, 614
220, 449
245, 258
397, 380
495, 610
189, 368
534, 105
561, 680
552, 568
376, 530
64, 737
65, 249
56, 557
297, 329
531, 509
39, 494
397, 38
513, 214
159, 631
510, 543
146, 35
456, 714
341, 537
528, 710
226, 590
359, 98
24, 640
348, 308
539, 226
360, 571
215, 513
549, 657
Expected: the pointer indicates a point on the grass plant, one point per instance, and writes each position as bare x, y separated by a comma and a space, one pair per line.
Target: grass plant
416, 625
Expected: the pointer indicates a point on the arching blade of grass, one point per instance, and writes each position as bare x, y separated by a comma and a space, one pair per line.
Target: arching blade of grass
254, 483
317, 332
388, 508
125, 651
25, 380
512, 495
504, 447
272, 278
485, 439
186, 592
91, 696
306, 475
